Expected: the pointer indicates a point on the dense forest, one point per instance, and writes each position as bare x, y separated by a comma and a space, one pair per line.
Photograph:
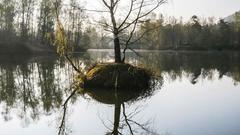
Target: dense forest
30, 25
197, 34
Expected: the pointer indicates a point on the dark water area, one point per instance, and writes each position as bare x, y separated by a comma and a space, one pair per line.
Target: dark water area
196, 93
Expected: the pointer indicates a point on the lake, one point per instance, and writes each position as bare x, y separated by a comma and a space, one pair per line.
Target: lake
194, 93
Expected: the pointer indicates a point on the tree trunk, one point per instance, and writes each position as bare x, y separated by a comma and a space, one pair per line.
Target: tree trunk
117, 49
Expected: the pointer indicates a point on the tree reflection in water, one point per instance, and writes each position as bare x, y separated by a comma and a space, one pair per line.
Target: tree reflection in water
32, 87
62, 127
118, 98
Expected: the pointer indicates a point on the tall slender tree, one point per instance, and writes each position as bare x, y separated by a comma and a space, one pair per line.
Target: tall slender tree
46, 21
8, 14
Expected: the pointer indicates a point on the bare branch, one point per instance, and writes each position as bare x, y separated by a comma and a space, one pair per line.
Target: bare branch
131, 34
126, 120
143, 126
143, 15
62, 125
126, 18
105, 3
72, 64
142, 35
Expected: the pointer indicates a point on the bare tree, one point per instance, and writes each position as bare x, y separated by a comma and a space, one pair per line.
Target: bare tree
135, 12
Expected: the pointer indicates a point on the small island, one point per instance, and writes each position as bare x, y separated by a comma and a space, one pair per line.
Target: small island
117, 75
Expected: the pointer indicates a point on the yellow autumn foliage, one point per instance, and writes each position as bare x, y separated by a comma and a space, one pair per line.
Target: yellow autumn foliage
61, 41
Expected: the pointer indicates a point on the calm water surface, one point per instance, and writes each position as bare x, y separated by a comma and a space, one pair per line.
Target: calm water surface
196, 93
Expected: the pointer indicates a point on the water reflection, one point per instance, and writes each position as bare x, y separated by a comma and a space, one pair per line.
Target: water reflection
39, 86
117, 98
32, 86
195, 64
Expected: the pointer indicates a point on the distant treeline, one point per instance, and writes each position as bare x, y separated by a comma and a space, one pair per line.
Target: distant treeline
197, 34
29, 25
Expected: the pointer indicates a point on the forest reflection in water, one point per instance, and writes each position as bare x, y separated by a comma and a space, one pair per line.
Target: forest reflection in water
38, 86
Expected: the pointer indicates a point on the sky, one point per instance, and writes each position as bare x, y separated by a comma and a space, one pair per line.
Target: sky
187, 8
205, 8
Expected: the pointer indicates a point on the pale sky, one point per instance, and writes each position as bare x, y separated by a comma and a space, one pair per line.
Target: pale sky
187, 8
206, 8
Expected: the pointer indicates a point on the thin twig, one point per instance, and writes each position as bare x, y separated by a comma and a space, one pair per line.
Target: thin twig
62, 125
126, 120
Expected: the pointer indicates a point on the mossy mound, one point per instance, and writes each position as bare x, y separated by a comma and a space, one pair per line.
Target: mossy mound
110, 75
